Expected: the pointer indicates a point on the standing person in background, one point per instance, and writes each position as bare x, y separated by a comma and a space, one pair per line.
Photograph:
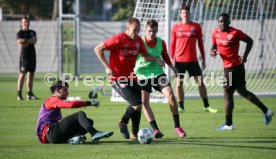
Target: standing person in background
226, 41
184, 36
151, 75
26, 39
53, 128
124, 49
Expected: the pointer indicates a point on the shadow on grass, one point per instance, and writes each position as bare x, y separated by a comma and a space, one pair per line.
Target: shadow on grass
232, 142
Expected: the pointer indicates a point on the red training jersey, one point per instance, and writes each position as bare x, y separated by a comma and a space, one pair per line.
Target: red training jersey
165, 55
183, 42
228, 43
123, 54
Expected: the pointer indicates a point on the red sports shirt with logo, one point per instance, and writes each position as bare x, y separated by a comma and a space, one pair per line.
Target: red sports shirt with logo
123, 54
228, 43
183, 42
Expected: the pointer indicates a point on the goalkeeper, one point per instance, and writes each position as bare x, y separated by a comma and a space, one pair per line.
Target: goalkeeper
52, 128
151, 74
226, 41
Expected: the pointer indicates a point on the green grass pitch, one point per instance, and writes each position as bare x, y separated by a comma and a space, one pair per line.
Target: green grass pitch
251, 139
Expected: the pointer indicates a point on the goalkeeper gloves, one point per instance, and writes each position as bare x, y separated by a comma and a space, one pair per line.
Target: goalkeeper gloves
93, 102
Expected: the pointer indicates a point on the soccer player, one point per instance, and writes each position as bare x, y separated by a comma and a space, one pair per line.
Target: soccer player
124, 49
52, 128
184, 36
26, 39
226, 41
151, 75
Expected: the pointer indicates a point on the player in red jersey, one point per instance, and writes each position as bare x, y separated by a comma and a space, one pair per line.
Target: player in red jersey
184, 36
226, 41
124, 49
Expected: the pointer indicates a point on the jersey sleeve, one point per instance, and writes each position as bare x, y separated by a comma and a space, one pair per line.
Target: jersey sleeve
241, 35
19, 35
54, 102
112, 42
165, 55
34, 32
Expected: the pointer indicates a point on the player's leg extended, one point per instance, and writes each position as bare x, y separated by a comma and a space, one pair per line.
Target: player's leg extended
168, 92
242, 90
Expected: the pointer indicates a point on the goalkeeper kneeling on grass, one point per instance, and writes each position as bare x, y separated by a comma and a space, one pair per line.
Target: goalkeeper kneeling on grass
52, 128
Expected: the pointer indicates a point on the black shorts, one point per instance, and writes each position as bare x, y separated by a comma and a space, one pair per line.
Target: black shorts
158, 83
235, 76
130, 91
26, 65
193, 68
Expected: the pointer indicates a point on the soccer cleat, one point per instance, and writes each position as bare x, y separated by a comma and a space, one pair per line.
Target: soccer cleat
31, 97
211, 110
157, 134
133, 136
100, 135
226, 127
123, 130
19, 97
180, 110
268, 116
77, 140
180, 132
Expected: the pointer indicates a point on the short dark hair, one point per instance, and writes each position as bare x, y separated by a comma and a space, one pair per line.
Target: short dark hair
25, 17
133, 20
152, 23
59, 84
184, 7
225, 15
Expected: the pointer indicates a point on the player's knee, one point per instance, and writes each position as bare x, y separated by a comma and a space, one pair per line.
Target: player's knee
81, 114
171, 97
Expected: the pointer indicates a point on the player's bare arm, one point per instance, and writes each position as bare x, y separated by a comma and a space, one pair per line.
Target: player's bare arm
99, 51
22, 43
249, 43
32, 40
175, 71
214, 50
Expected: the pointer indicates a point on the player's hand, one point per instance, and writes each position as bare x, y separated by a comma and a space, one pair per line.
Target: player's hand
243, 59
161, 62
203, 64
214, 53
109, 71
93, 102
175, 71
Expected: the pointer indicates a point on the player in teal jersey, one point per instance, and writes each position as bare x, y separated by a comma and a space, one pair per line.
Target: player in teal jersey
151, 75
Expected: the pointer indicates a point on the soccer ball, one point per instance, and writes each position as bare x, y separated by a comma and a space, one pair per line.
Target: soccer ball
93, 94
145, 135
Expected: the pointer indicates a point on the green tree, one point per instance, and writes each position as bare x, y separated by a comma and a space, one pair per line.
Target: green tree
122, 9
